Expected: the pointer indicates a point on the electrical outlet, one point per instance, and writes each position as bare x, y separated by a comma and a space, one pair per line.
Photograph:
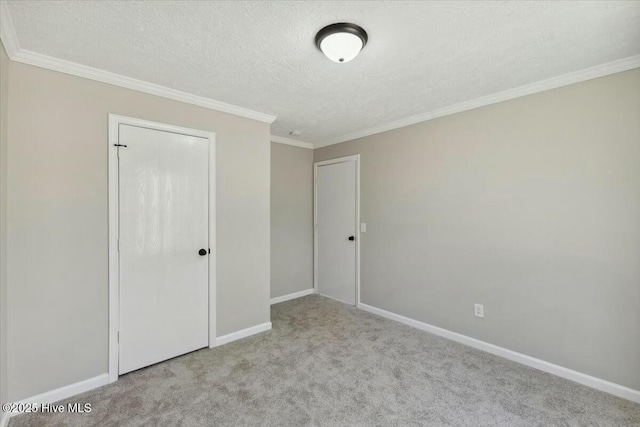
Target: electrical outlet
478, 310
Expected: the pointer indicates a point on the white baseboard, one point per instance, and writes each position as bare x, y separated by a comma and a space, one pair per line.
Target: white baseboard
95, 382
588, 380
59, 394
292, 296
244, 333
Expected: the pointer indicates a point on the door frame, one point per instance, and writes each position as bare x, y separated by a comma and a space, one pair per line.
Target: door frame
114, 226
316, 165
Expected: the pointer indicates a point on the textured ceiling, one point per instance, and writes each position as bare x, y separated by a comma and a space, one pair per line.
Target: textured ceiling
421, 56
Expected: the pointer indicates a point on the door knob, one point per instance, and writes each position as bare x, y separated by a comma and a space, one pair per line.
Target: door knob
202, 252
352, 238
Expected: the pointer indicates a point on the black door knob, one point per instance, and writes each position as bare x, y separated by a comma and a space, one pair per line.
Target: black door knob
202, 252
352, 238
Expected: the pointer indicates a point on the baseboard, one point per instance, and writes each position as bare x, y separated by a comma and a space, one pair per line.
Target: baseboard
95, 382
584, 379
244, 333
59, 394
292, 296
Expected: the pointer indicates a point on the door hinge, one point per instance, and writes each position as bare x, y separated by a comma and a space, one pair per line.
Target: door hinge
118, 148
118, 336
118, 245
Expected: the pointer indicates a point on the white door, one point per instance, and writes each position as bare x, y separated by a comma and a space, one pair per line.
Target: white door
336, 224
163, 184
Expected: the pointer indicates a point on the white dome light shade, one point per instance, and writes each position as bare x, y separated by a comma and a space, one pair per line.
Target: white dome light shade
341, 42
341, 47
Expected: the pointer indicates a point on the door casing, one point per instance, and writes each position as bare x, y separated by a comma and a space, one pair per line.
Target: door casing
114, 270
316, 165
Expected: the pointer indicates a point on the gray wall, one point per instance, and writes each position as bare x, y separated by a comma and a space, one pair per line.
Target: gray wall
57, 221
530, 207
4, 103
291, 219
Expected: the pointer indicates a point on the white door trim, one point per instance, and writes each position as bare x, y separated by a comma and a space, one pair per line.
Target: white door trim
114, 268
354, 158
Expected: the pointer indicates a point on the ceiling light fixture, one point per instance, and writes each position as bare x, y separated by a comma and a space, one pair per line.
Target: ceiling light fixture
341, 42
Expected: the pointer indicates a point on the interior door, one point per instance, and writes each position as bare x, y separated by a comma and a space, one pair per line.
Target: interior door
163, 245
336, 230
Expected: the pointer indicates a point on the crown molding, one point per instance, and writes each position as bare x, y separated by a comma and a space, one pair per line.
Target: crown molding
541, 86
289, 141
15, 53
7, 31
55, 64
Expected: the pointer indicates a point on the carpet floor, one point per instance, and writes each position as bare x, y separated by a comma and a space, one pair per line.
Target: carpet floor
329, 364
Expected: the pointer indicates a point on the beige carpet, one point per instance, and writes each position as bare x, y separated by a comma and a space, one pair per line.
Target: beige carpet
329, 364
